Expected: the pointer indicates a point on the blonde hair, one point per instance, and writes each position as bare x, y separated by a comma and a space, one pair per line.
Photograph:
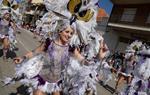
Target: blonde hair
63, 24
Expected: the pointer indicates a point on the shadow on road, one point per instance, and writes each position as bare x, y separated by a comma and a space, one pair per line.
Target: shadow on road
10, 54
107, 87
21, 90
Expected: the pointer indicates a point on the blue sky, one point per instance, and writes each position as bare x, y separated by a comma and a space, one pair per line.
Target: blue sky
18, 1
106, 4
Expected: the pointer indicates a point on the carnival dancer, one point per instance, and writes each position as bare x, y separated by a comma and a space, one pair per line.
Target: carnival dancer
9, 10
48, 78
131, 59
139, 85
129, 62
6, 26
107, 67
83, 13
57, 53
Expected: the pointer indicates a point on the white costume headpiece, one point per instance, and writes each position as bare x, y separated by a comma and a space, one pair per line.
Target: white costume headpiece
82, 13
132, 48
11, 6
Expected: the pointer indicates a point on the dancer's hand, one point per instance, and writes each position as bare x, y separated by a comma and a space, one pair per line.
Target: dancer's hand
80, 57
29, 55
18, 60
77, 54
103, 46
103, 49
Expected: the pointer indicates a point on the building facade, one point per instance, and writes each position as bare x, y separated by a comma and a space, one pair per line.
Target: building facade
102, 19
129, 21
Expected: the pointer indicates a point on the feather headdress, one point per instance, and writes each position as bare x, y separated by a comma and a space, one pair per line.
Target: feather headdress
132, 48
82, 13
11, 6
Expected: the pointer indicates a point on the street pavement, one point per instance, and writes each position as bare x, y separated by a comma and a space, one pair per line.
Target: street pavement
26, 43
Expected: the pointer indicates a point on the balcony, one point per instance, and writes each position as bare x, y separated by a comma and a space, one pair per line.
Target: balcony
130, 1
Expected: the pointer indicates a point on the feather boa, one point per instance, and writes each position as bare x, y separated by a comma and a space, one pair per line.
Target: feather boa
30, 68
26, 71
80, 77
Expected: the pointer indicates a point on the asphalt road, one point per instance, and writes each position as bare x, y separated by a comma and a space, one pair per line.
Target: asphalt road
26, 42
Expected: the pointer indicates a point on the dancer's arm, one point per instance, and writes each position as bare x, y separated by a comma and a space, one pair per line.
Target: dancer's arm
30, 54
103, 50
39, 49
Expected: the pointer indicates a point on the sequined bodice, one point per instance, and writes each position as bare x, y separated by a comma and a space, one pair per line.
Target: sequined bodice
58, 58
4, 28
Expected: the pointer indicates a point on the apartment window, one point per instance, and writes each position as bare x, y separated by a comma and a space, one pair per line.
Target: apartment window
128, 14
148, 19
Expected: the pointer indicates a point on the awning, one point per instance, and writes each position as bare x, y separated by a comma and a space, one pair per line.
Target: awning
130, 1
129, 26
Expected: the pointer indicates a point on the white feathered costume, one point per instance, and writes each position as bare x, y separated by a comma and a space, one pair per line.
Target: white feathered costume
140, 84
77, 78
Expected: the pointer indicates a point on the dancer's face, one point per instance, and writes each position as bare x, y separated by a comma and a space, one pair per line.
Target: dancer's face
66, 34
7, 16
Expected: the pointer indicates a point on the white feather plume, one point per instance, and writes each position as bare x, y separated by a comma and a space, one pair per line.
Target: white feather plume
144, 69
30, 68
131, 48
83, 27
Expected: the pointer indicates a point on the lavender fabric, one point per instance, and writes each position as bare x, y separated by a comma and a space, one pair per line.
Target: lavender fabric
58, 59
4, 28
41, 81
149, 84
